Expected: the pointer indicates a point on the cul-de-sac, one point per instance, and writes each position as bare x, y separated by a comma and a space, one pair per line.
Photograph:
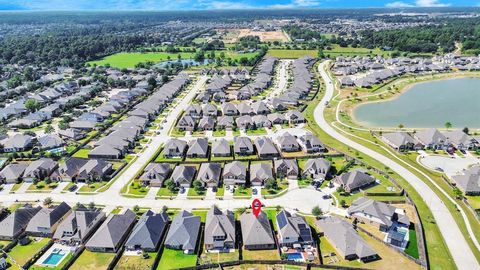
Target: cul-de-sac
264, 135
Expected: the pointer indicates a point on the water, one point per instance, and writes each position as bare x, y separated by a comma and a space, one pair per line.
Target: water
295, 256
53, 259
190, 62
429, 104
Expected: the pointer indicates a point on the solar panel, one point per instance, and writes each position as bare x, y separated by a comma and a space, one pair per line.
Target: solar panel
281, 220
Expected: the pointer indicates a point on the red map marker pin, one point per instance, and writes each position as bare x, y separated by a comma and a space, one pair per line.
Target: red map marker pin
256, 207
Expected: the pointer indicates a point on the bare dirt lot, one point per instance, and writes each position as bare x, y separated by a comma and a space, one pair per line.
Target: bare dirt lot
232, 35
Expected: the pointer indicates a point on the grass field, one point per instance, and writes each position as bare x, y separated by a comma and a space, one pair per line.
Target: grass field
335, 51
21, 254
173, 259
412, 247
92, 260
261, 254
135, 262
82, 153
130, 59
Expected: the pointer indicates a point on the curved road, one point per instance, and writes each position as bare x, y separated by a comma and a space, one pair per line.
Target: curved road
456, 242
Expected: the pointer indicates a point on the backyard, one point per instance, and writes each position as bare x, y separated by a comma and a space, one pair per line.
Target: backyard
92, 260
21, 254
136, 262
173, 259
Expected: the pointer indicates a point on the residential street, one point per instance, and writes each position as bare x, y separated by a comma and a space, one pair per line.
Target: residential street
461, 252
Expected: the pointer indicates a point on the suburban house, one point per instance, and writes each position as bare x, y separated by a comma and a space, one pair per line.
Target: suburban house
234, 173
295, 117
461, 140
293, 230
317, 168
112, 233
206, 123
286, 168
45, 222
39, 169
183, 175
256, 231
198, 148
354, 180
345, 239
18, 143
12, 173
260, 173
148, 232
84, 170
209, 174
225, 122
431, 138
243, 146
50, 141
78, 226
401, 141
155, 174
288, 143
221, 148
175, 148
186, 123
219, 230
469, 181
311, 144
265, 147
183, 232
378, 214
16, 223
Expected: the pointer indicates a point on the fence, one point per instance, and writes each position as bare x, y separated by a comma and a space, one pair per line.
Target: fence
276, 262
32, 260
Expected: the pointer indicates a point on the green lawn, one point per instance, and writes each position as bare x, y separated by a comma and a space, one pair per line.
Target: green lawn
474, 201
173, 259
161, 158
412, 248
21, 254
129, 60
42, 186
261, 254
334, 51
82, 153
135, 262
92, 260
282, 185
207, 258
291, 53
258, 131
201, 213
193, 193
92, 186
165, 192
242, 192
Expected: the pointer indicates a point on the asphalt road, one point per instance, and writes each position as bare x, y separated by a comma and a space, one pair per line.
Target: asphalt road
454, 239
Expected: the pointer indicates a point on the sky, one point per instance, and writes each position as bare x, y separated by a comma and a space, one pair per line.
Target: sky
218, 4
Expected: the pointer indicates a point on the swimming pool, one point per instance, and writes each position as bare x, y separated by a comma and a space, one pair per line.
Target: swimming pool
297, 256
54, 258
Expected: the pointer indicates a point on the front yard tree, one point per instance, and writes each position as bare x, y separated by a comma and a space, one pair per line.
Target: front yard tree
170, 185
197, 185
48, 201
317, 211
32, 105
466, 130
48, 129
271, 184
448, 125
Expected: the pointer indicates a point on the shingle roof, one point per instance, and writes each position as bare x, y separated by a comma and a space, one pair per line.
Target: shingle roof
256, 230
183, 231
112, 230
147, 232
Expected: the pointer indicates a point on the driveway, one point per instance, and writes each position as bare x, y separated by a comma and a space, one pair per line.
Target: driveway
61, 186
454, 239
450, 165
6, 188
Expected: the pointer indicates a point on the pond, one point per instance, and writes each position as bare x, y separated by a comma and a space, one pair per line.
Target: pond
426, 105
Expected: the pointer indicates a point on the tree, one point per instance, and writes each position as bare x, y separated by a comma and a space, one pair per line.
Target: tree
458, 193
197, 185
340, 190
48, 129
401, 126
320, 53
91, 205
136, 208
32, 105
170, 185
48, 201
317, 211
343, 203
466, 130
271, 184
448, 125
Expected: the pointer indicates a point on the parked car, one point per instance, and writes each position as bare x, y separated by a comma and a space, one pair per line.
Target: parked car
182, 190
73, 188
254, 191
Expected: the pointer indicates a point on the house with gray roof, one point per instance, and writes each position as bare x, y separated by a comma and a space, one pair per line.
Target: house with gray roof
219, 230
469, 181
16, 223
72, 134
286, 168
221, 148
198, 148
295, 117
12, 173
45, 222
234, 173
431, 138
257, 234
209, 174
461, 140
379, 214
112, 233
17, 143
183, 175
39, 169
209, 110
84, 170
265, 147
401, 141
183, 232
175, 148
244, 122
106, 151
260, 121
243, 146
50, 141
229, 109
186, 123
78, 226
206, 123
225, 122
148, 231
354, 180
311, 144
317, 168
293, 230
155, 173
194, 110
288, 143
346, 240
260, 172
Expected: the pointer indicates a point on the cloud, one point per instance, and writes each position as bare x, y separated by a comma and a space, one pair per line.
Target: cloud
418, 3
298, 4
227, 5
